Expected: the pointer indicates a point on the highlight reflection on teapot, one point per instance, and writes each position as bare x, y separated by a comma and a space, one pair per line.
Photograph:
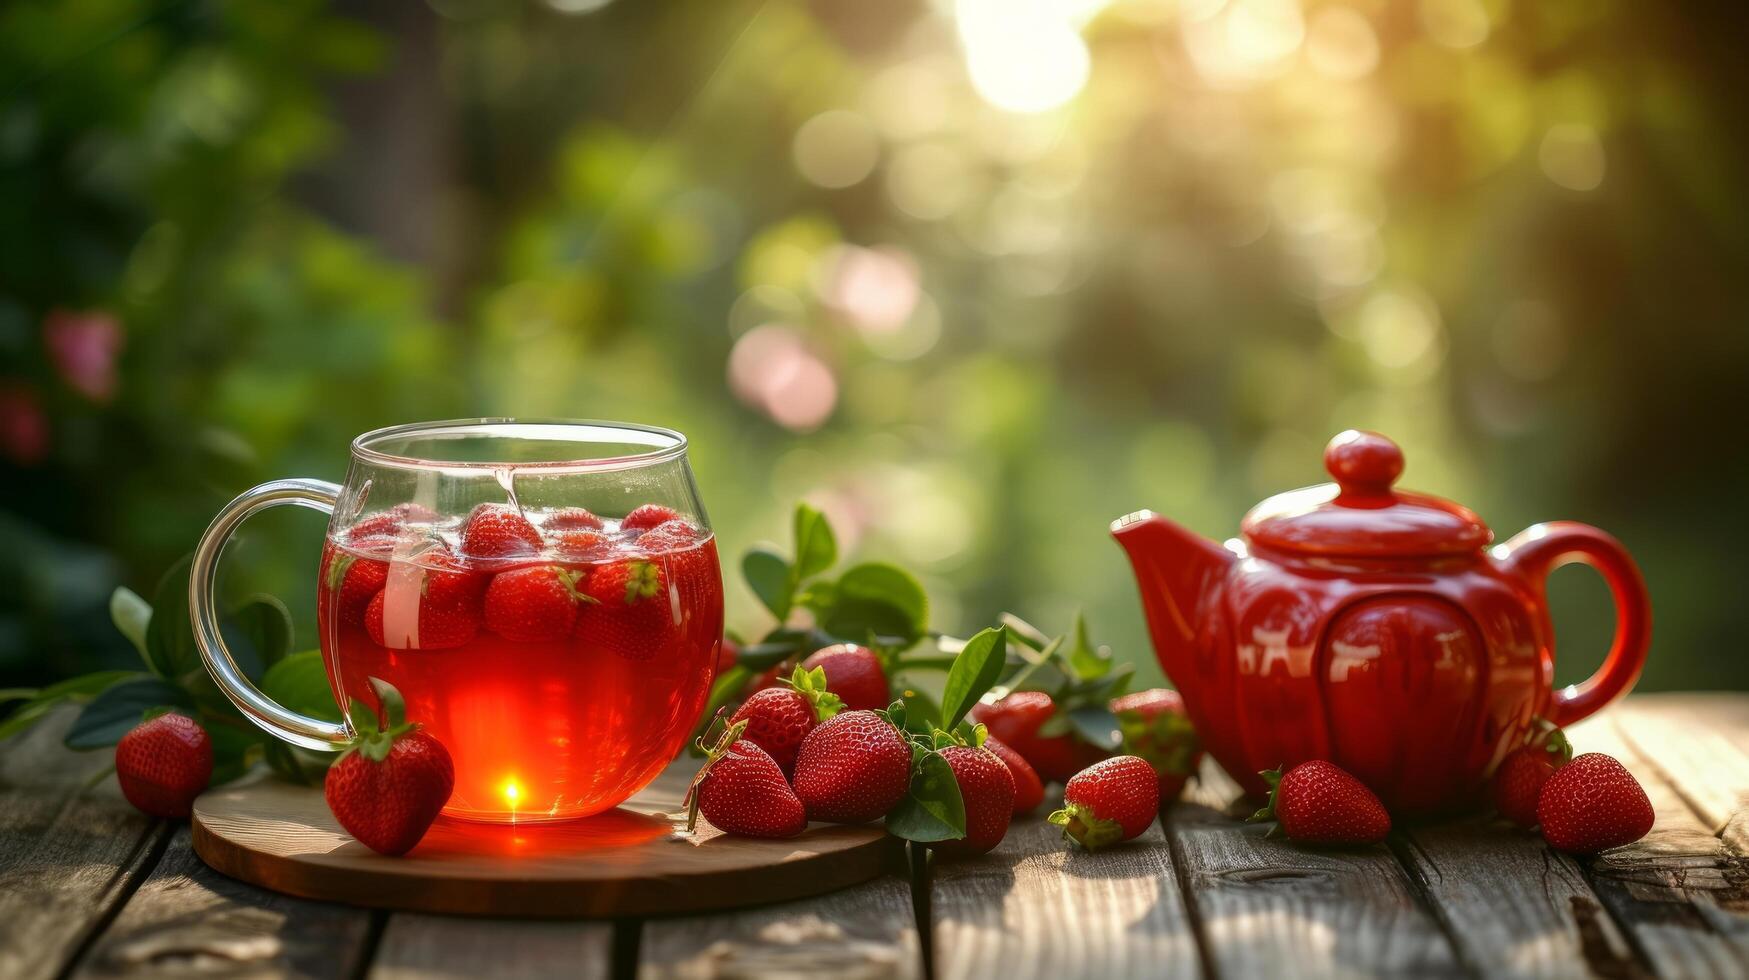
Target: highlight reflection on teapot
1375, 628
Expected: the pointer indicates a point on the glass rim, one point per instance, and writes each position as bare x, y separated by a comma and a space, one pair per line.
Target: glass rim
666, 444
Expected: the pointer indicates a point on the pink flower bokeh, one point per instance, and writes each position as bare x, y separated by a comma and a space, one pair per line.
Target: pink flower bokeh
84, 346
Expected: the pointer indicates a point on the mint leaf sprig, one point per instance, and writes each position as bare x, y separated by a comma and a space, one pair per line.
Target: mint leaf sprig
933, 809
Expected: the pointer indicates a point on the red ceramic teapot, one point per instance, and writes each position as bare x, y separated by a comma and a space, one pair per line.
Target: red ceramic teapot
1375, 628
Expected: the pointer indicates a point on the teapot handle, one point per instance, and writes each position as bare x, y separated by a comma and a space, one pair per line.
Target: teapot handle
1540, 549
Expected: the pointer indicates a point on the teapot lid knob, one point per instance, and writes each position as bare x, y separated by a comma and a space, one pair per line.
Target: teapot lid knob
1363, 463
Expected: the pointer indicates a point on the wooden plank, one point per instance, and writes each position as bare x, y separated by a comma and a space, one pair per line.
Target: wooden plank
416, 946
1679, 894
67, 856
1033, 908
1513, 906
1700, 743
1272, 908
866, 930
187, 918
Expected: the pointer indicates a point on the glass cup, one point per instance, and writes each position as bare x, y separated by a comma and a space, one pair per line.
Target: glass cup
544, 594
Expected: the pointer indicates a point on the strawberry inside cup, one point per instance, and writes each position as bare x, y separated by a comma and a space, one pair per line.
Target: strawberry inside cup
561, 665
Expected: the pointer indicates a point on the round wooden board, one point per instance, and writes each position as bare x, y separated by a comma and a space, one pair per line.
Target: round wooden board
637, 860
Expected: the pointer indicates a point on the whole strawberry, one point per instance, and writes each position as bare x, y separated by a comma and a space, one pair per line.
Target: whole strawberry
987, 788
578, 544
779, 718
443, 612
633, 614
1593, 804
741, 790
1110, 801
853, 768
1029, 790
534, 604
1016, 720
1320, 803
1518, 783
648, 516
163, 764
499, 531
854, 674
1155, 728
573, 518
354, 579
390, 523
390, 784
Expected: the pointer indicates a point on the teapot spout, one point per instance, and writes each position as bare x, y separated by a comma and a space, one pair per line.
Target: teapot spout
1175, 569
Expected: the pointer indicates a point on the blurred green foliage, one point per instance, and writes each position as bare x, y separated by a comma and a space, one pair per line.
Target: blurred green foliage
972, 291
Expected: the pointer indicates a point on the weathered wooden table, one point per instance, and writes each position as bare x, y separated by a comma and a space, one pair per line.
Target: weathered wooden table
88, 887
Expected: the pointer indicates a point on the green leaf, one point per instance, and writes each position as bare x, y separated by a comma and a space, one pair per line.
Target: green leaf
816, 548
762, 656
132, 616
1097, 725
933, 809
875, 597
265, 624
1085, 661
299, 681
394, 706
768, 575
170, 650
111, 714
922, 714
974, 672
723, 690
41, 702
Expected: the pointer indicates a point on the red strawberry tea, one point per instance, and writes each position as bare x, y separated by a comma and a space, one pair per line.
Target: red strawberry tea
562, 659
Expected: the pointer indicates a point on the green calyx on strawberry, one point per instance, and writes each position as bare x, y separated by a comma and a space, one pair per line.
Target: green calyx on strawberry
376, 736
811, 684
642, 581
1546, 736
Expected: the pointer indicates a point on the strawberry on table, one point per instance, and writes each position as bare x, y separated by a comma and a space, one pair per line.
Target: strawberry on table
1518, 783
741, 790
779, 718
390, 784
648, 516
534, 604
1029, 790
1155, 728
1593, 804
633, 612
1016, 720
1110, 801
163, 764
987, 789
853, 673
1320, 803
499, 531
853, 768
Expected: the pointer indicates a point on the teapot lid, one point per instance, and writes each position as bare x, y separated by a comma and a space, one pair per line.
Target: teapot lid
1360, 515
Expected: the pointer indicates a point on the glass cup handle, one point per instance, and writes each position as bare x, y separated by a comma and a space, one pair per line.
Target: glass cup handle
276, 719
